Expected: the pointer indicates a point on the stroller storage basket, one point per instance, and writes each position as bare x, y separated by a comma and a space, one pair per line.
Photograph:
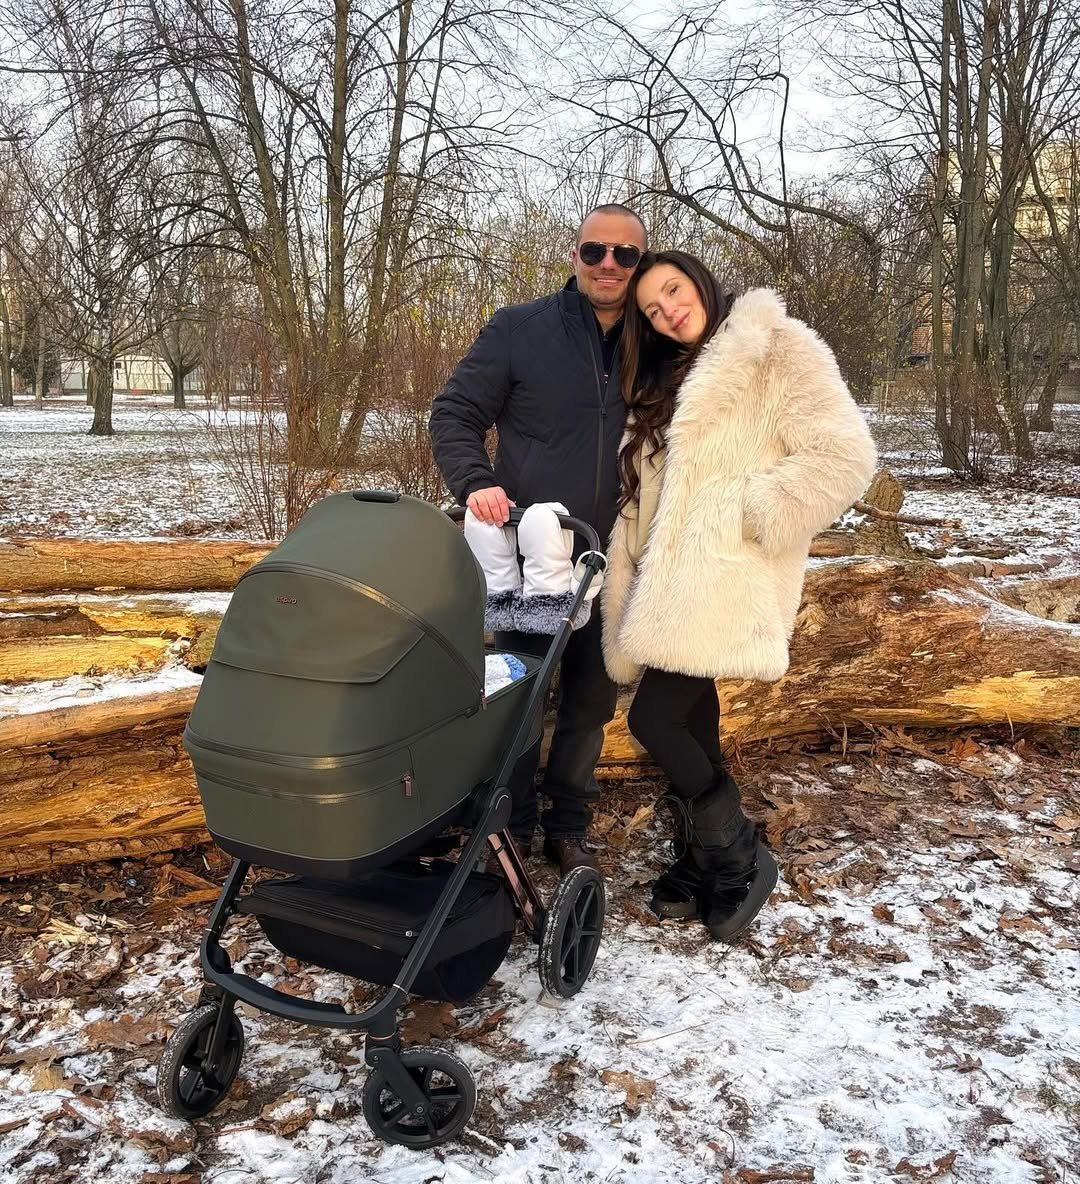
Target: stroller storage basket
366, 928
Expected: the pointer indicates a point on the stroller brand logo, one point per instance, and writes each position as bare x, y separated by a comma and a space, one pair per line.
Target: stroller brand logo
285, 599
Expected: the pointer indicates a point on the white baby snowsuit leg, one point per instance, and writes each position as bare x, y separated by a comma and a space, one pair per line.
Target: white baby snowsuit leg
495, 548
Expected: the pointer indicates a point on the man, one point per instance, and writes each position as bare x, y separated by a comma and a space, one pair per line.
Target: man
546, 374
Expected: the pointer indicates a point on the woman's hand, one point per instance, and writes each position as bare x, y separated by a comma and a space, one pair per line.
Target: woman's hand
490, 505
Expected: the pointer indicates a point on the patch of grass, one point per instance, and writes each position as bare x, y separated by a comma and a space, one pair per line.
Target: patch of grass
1051, 1100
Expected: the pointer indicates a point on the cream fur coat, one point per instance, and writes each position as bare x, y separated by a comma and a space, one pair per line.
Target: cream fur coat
766, 447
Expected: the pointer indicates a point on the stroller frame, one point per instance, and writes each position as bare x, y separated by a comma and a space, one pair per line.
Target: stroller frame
209, 1042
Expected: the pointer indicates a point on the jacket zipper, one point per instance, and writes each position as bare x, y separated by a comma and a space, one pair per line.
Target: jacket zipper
599, 432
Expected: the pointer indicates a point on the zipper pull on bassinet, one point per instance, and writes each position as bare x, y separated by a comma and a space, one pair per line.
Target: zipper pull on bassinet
406, 780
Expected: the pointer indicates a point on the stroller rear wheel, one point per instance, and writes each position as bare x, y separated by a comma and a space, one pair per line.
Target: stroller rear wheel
187, 1085
450, 1098
572, 931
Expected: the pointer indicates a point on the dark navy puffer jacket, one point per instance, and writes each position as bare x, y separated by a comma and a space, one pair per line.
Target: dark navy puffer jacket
536, 373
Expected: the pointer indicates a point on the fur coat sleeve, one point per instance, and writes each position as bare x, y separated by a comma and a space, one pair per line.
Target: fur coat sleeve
830, 453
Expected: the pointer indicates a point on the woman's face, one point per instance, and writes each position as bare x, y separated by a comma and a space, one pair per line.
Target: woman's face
669, 301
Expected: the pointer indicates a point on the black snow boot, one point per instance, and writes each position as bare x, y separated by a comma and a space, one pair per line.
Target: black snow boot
721, 874
676, 893
738, 873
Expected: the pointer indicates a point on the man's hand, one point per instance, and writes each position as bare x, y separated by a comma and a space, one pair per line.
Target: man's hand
490, 505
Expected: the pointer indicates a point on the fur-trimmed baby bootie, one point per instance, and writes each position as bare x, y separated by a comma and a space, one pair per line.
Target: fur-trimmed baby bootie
544, 600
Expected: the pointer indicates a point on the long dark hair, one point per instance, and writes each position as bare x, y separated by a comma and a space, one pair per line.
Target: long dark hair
654, 366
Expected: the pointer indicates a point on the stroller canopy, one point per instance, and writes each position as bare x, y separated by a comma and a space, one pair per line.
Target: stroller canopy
359, 582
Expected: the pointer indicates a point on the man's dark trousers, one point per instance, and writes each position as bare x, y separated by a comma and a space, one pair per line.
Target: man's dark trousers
586, 703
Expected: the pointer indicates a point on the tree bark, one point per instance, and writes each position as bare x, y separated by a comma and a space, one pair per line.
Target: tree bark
937, 245
1043, 418
76, 564
177, 375
368, 367
877, 643
45, 639
95, 797
99, 384
52, 565
1054, 599
39, 363
7, 394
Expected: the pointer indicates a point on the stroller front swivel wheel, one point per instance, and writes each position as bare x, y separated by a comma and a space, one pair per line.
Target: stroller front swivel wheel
188, 1086
572, 930
449, 1100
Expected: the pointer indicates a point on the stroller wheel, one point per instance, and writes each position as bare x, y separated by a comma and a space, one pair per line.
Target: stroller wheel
187, 1086
445, 1082
572, 931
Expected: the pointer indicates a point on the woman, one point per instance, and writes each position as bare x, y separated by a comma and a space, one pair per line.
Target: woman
742, 442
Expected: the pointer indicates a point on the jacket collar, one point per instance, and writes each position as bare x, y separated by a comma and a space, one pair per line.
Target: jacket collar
576, 305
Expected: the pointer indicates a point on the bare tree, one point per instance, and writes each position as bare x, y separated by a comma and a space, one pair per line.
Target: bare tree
334, 183
967, 92
86, 159
679, 98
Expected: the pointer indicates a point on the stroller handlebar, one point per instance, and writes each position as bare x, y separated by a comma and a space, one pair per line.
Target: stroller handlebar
566, 521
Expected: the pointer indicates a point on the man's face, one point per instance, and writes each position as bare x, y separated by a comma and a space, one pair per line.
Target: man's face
604, 284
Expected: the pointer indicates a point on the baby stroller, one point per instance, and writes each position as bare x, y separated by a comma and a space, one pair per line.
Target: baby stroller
341, 728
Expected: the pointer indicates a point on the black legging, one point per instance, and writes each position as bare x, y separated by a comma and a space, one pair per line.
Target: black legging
677, 718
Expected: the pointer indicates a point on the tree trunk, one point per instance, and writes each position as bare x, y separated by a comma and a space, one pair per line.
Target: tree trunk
368, 368
48, 638
1043, 419
336, 373
39, 363
53, 565
7, 393
1055, 599
937, 246
908, 644
877, 643
100, 390
176, 373
62, 564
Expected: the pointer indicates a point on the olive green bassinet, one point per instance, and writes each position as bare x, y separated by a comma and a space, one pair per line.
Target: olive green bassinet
342, 718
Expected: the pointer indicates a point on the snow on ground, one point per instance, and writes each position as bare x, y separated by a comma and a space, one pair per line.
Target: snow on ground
161, 474
908, 1008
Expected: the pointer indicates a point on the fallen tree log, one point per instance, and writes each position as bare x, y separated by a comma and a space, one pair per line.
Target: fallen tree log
49, 638
75, 564
877, 643
59, 564
1056, 599
884, 643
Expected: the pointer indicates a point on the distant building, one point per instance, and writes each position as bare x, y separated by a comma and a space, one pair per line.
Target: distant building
133, 374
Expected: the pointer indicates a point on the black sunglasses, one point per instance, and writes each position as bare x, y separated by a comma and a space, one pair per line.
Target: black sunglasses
626, 254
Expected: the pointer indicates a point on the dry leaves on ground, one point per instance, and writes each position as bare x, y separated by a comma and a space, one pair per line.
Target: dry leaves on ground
931, 1171
637, 1089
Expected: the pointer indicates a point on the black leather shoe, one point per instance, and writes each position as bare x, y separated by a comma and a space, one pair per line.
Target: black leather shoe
569, 852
